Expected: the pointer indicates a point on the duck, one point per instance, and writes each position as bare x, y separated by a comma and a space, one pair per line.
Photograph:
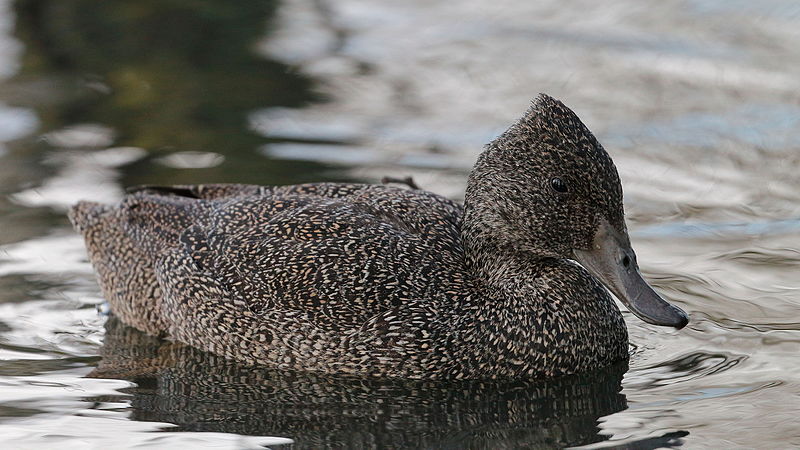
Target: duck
377, 280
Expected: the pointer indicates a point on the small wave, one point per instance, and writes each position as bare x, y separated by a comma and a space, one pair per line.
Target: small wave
681, 369
707, 230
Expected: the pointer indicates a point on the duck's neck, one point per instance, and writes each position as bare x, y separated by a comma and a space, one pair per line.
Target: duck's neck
556, 322
493, 256
496, 264
535, 315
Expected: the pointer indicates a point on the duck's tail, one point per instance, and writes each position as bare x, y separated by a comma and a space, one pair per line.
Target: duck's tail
84, 215
124, 270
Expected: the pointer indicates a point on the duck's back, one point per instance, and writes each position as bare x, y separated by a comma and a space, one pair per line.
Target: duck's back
337, 255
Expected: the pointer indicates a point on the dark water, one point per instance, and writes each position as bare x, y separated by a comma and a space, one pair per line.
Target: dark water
697, 101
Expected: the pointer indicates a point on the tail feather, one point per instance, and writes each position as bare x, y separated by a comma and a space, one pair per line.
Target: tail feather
85, 215
126, 241
124, 270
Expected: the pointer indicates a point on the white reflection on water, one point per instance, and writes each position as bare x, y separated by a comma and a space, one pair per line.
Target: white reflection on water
82, 175
15, 123
192, 160
85, 135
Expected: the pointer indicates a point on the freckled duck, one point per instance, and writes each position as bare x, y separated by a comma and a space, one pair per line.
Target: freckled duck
384, 281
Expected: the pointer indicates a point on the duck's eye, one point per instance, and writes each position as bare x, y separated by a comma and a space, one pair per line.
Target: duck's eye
558, 185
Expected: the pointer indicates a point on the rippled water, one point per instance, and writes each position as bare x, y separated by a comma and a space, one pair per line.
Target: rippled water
697, 101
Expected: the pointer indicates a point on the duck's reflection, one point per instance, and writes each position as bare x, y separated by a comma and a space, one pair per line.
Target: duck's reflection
203, 392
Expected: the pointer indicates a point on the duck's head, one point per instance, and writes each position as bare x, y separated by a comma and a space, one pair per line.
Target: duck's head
547, 189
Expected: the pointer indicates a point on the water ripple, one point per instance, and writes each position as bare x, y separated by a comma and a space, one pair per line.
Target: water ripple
719, 230
682, 369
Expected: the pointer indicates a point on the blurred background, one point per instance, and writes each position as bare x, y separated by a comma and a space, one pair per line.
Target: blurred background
697, 101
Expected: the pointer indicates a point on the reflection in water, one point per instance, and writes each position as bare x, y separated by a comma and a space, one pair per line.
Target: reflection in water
682, 369
203, 392
163, 76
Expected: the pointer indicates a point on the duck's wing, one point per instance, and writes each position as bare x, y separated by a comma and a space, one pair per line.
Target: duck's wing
339, 252
321, 190
335, 254
343, 259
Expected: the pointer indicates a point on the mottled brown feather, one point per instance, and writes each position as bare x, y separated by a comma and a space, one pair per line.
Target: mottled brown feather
378, 280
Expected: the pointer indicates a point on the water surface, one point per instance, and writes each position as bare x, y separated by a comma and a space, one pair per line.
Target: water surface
698, 102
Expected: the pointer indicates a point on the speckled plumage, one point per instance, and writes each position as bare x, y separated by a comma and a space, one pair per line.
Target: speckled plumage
379, 280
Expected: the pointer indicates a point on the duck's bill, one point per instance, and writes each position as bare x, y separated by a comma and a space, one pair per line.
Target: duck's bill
612, 261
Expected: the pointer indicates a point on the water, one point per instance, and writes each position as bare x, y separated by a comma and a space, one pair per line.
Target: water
698, 102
